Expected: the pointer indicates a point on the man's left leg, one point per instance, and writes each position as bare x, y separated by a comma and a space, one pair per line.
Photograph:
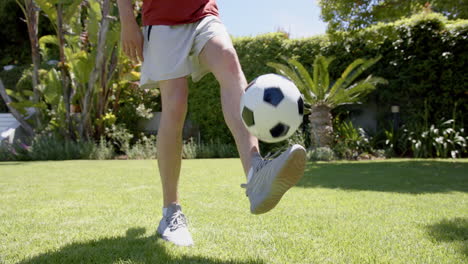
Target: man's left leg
268, 180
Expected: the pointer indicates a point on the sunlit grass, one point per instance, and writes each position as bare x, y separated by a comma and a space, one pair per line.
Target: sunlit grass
396, 211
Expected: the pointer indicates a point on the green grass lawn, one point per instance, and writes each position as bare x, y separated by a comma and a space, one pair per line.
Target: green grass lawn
393, 211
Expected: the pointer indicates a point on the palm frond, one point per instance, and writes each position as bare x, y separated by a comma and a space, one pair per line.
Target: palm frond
357, 91
325, 75
305, 76
317, 89
316, 73
321, 75
339, 83
282, 69
355, 73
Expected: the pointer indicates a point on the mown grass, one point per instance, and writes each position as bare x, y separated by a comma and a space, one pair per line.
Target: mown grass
393, 211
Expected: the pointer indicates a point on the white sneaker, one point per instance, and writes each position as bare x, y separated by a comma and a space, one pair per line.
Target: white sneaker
173, 227
269, 179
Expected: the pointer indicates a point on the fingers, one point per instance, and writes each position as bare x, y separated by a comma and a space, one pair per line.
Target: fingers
132, 45
134, 51
139, 47
133, 54
129, 50
140, 52
126, 49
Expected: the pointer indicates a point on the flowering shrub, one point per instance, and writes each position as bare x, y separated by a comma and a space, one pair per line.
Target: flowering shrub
441, 141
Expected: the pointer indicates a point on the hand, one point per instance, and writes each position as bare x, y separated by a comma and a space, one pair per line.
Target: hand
132, 41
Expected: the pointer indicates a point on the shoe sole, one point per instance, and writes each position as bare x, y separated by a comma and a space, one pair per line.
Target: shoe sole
287, 177
189, 244
160, 235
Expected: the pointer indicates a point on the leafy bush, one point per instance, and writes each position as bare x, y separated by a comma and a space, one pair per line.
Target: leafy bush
350, 142
96, 93
144, 148
396, 141
47, 147
213, 149
103, 150
190, 150
216, 149
14, 48
50, 147
299, 137
424, 57
10, 79
321, 154
14, 152
119, 137
442, 140
135, 103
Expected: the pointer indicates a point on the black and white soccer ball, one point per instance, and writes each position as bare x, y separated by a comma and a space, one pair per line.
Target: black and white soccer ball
272, 108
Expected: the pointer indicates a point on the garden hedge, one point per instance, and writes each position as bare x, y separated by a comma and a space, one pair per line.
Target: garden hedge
424, 59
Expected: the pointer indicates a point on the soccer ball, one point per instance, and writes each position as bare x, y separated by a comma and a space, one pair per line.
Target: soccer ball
272, 108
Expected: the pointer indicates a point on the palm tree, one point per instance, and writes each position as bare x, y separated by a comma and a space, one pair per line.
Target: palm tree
322, 95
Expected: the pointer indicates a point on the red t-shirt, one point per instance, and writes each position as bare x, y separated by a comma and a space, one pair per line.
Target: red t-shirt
175, 12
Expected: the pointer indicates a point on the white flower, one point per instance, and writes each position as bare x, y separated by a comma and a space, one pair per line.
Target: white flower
446, 54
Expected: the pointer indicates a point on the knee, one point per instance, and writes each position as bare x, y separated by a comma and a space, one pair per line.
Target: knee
230, 60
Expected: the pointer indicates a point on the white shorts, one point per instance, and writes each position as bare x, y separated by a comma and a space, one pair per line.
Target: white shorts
171, 52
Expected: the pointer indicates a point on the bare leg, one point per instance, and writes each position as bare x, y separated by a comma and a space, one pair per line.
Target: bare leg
222, 61
174, 94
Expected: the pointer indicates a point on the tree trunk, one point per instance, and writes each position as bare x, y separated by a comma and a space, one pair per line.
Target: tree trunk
94, 76
28, 128
32, 21
321, 129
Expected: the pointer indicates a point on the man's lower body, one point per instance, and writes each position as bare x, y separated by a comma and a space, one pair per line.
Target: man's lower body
172, 53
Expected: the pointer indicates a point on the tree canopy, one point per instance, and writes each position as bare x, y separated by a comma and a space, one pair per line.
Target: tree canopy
345, 15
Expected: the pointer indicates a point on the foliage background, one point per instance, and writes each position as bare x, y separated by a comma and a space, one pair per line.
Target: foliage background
424, 60
14, 47
346, 15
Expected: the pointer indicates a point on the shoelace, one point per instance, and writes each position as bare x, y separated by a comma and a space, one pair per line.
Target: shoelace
262, 163
176, 220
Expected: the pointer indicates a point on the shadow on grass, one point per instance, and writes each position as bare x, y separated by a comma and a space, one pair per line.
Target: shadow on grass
451, 230
410, 176
131, 248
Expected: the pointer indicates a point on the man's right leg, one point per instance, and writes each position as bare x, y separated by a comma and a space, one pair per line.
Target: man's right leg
174, 94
